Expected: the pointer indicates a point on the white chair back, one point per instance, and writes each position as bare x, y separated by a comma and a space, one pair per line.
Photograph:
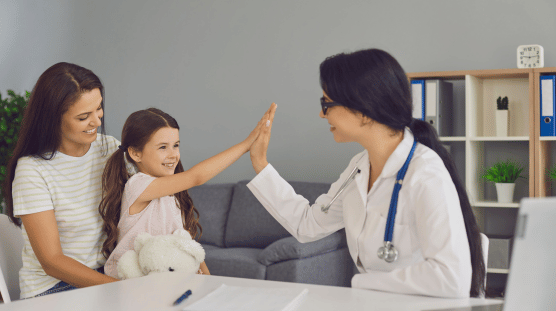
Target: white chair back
485, 242
11, 244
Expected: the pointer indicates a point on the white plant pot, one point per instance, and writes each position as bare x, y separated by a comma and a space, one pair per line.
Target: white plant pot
505, 192
502, 123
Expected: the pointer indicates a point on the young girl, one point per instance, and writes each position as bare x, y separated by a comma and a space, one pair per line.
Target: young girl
154, 200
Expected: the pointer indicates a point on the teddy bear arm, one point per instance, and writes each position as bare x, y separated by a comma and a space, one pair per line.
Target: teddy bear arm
128, 266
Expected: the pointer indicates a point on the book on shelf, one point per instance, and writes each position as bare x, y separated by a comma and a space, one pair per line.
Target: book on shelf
418, 97
548, 101
438, 106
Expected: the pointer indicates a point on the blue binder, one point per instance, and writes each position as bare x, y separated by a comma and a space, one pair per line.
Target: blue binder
548, 108
418, 95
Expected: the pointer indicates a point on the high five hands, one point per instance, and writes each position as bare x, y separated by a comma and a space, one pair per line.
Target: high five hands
261, 137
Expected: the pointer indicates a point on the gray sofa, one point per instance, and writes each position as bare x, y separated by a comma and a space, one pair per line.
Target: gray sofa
241, 239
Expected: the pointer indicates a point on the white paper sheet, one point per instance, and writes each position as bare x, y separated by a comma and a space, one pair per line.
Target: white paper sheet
239, 298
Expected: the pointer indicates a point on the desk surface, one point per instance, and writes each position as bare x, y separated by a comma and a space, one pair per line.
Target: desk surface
159, 291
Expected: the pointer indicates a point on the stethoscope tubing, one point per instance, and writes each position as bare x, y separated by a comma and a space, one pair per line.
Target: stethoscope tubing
343, 187
389, 232
388, 252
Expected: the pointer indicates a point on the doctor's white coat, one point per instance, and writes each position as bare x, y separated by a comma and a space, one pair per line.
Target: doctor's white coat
429, 231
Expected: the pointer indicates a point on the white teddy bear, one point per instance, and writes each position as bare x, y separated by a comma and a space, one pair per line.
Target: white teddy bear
161, 253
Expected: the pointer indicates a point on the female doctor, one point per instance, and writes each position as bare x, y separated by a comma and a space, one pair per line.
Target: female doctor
409, 224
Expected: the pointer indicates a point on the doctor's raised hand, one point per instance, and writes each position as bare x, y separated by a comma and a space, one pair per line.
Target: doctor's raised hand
259, 147
408, 222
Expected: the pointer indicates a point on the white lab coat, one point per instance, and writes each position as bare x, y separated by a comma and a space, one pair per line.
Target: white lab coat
429, 232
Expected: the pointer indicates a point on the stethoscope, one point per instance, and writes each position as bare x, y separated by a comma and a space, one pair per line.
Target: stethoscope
387, 252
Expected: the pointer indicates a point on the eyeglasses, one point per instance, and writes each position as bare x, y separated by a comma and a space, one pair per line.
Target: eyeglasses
325, 105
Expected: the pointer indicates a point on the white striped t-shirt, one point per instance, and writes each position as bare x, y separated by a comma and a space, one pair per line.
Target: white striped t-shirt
72, 187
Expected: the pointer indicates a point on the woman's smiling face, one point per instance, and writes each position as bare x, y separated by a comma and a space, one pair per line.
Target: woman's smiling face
80, 123
344, 123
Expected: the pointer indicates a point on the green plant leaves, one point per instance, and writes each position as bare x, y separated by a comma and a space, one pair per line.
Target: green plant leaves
11, 115
504, 172
551, 173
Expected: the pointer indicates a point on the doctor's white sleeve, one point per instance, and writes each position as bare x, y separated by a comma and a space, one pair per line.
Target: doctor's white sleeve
442, 237
305, 222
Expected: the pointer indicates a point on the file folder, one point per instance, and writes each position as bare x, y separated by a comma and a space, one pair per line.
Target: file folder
548, 99
438, 105
418, 96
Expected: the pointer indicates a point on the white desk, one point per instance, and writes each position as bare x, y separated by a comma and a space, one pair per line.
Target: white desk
159, 291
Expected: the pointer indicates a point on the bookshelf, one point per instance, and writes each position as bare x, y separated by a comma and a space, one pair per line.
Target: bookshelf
545, 146
475, 146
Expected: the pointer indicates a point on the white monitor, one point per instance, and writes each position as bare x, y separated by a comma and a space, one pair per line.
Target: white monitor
532, 278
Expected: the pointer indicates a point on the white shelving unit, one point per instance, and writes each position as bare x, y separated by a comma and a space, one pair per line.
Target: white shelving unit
475, 145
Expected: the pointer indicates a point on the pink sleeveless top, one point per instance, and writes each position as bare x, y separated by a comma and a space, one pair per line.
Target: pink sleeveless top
161, 216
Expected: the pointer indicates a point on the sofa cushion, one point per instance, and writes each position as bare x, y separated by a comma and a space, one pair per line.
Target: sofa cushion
250, 225
333, 268
289, 248
213, 204
234, 262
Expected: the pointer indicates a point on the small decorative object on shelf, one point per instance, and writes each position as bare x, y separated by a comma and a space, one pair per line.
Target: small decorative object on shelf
504, 175
530, 56
502, 116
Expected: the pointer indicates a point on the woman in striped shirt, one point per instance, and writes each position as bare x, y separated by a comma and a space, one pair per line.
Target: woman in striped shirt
53, 184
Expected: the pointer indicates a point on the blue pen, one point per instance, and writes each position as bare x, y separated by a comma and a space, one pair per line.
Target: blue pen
182, 297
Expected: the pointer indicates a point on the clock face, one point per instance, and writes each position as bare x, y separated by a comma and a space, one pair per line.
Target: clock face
530, 56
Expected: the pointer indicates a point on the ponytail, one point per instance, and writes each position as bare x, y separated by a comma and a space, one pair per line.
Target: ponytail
114, 179
425, 134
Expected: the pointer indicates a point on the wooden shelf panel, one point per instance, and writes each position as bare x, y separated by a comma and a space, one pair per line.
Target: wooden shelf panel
483, 74
495, 138
499, 271
546, 70
452, 138
495, 204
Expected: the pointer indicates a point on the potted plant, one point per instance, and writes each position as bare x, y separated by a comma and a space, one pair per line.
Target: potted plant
504, 175
551, 173
11, 114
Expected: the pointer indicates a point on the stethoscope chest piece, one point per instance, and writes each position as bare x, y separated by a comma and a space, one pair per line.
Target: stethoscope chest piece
388, 252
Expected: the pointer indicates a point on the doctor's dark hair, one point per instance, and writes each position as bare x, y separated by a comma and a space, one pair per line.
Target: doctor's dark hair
138, 129
373, 83
57, 89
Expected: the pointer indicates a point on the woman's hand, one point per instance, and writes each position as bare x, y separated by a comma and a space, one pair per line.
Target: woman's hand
256, 132
260, 146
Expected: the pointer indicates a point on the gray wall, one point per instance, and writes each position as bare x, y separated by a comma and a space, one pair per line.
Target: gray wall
217, 65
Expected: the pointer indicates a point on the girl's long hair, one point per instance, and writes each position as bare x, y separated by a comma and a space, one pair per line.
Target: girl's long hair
138, 130
373, 82
59, 87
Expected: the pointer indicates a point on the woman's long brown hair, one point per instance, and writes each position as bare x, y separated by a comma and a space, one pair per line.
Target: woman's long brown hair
138, 129
59, 87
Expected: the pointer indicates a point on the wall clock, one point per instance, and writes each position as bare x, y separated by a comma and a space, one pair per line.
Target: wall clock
530, 56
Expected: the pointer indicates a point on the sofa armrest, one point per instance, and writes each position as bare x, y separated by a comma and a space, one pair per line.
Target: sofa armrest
289, 248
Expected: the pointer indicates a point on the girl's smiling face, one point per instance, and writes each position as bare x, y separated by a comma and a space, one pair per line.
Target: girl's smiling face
161, 153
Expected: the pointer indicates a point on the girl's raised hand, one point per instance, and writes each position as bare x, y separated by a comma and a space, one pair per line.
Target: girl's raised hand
260, 146
257, 130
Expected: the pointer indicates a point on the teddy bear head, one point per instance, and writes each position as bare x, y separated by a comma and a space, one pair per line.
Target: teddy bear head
168, 253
